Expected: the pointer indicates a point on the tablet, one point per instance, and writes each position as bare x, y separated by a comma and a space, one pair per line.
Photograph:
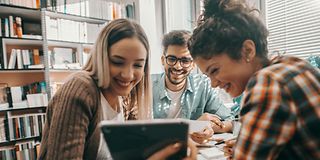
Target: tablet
139, 139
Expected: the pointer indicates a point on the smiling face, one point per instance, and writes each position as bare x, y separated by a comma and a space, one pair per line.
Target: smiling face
226, 73
177, 74
127, 63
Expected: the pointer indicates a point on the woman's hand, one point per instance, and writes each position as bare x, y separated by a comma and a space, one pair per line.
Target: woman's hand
202, 137
228, 148
174, 148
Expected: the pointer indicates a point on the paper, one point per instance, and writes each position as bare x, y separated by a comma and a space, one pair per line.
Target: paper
223, 136
212, 153
197, 125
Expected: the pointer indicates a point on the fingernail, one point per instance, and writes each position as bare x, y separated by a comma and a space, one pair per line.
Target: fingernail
176, 146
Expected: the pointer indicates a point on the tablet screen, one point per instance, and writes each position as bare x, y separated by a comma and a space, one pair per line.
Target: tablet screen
136, 140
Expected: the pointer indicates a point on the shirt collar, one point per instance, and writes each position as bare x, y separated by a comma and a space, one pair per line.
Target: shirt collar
189, 87
163, 86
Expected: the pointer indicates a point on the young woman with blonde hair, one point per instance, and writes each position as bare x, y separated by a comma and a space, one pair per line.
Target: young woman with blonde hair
118, 66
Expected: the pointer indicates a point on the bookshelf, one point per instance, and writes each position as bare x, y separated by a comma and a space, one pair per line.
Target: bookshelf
54, 44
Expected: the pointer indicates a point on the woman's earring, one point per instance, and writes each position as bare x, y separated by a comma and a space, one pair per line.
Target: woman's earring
248, 60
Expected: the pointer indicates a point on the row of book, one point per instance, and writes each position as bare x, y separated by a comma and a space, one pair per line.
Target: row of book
25, 126
25, 59
32, 95
102, 9
16, 27
12, 27
63, 58
23, 151
24, 3
73, 31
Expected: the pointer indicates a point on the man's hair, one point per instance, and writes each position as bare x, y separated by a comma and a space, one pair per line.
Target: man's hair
175, 37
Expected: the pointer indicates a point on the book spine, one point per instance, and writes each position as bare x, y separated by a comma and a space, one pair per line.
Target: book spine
36, 56
19, 59
12, 60
11, 22
19, 27
2, 60
9, 97
0, 27
6, 27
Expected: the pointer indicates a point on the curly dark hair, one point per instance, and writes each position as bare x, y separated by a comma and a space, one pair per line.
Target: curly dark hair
224, 26
175, 37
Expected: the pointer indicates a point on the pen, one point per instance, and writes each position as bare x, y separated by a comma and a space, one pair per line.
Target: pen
224, 141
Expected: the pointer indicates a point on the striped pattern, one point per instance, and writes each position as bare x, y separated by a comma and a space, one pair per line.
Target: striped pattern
73, 114
281, 112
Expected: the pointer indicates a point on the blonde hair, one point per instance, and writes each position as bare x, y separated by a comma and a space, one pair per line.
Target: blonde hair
98, 63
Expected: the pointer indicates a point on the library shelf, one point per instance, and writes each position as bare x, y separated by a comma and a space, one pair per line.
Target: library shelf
75, 17
21, 41
52, 42
23, 109
5, 71
20, 140
20, 11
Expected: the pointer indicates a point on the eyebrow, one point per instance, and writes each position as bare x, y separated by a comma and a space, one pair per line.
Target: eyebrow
119, 57
190, 57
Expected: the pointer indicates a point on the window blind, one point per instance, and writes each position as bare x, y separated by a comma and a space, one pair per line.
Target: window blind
294, 27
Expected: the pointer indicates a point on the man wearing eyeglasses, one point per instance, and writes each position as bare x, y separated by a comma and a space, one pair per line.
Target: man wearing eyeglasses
178, 93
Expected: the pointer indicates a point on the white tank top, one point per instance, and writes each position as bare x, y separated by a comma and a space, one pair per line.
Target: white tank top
112, 115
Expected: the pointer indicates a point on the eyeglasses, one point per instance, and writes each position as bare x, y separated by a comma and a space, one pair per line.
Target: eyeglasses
184, 62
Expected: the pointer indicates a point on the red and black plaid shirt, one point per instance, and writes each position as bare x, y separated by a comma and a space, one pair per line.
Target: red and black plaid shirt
281, 112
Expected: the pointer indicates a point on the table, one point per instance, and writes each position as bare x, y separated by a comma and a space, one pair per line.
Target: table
209, 151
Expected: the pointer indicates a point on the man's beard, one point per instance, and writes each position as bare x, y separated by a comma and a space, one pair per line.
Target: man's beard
179, 81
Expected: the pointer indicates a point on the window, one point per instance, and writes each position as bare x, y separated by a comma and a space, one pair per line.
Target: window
178, 15
294, 27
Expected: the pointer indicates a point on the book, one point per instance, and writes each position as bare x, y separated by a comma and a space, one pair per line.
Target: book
12, 26
0, 27
63, 55
4, 104
13, 59
130, 11
19, 59
6, 27
19, 27
26, 58
2, 57
36, 56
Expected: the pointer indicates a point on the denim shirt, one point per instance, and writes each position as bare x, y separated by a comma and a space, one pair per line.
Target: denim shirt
199, 97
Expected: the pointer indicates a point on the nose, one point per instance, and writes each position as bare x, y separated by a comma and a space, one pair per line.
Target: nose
178, 66
127, 74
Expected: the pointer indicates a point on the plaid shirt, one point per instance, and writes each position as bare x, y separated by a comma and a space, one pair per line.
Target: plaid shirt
281, 112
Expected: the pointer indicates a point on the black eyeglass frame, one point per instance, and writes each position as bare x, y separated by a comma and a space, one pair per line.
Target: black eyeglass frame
182, 64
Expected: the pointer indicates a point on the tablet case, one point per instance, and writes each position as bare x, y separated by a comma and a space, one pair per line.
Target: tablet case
139, 141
